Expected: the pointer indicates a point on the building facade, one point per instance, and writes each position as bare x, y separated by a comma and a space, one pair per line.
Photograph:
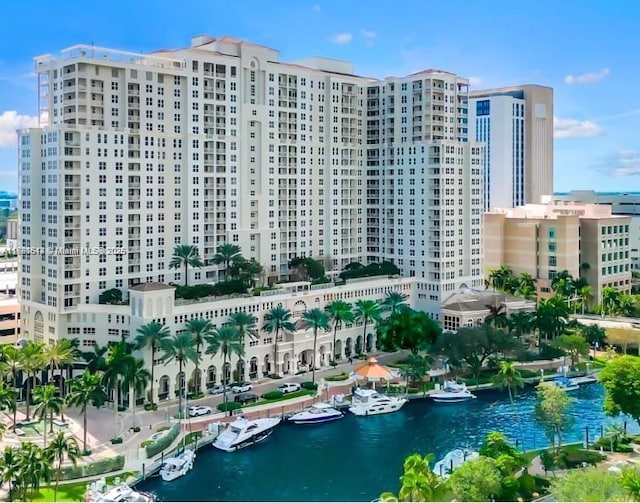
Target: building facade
516, 124
543, 239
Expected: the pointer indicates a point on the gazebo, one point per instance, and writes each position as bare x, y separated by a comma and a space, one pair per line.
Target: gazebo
373, 371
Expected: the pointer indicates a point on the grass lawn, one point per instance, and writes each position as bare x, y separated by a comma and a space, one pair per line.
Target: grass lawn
72, 491
286, 396
189, 438
530, 455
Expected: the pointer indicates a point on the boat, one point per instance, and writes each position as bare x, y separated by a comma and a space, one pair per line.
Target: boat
565, 384
368, 402
119, 493
176, 467
452, 392
243, 433
318, 413
453, 460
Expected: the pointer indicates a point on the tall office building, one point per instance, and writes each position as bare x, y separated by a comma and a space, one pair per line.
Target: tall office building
516, 124
222, 143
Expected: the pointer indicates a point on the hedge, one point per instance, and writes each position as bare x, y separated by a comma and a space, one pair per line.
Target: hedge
229, 406
98, 467
272, 395
309, 385
163, 442
338, 377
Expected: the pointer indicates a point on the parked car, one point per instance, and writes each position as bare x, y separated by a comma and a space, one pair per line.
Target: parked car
199, 410
216, 390
244, 398
289, 387
242, 387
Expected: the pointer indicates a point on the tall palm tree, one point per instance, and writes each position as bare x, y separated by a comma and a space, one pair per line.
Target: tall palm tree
48, 403
316, 319
9, 468
610, 300
586, 295
57, 356
276, 320
520, 323
198, 328
11, 358
497, 316
186, 256
551, 317
152, 335
393, 302
245, 323
510, 377
180, 348
62, 448
118, 361
225, 254
96, 359
135, 379
366, 311
84, 390
418, 482
34, 467
341, 312
32, 363
8, 398
227, 342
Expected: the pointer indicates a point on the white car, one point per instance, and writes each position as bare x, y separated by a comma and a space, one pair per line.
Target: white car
242, 388
216, 390
199, 410
289, 387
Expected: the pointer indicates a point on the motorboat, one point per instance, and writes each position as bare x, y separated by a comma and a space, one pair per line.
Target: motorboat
119, 493
244, 432
453, 460
452, 392
368, 402
565, 384
176, 467
318, 413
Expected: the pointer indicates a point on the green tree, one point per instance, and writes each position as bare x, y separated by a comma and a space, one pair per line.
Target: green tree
84, 390
34, 467
62, 449
186, 256
118, 361
586, 297
497, 316
594, 334
198, 328
552, 411
341, 313
415, 369
417, 483
135, 378
551, 317
11, 361
590, 484
621, 380
32, 363
180, 348
58, 356
8, 398
315, 319
394, 302
96, 359
510, 377
631, 484
111, 296
526, 286
9, 469
245, 323
152, 335
227, 342
408, 329
520, 323
225, 254
574, 345
48, 403
476, 480
307, 268
610, 300
366, 311
276, 320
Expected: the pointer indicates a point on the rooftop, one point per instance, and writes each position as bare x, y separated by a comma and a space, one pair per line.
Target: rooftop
153, 286
479, 300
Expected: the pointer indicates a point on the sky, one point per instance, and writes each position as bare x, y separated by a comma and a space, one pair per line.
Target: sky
586, 50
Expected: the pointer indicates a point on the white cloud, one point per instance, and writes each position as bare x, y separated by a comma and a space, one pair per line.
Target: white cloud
626, 163
341, 38
587, 78
316, 8
368, 33
475, 81
10, 121
572, 128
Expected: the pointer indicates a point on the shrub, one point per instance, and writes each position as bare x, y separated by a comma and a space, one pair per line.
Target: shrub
547, 460
549, 352
117, 440
272, 395
338, 377
528, 373
98, 467
618, 445
162, 428
195, 396
228, 407
150, 406
144, 443
575, 459
163, 442
136, 429
309, 385
274, 376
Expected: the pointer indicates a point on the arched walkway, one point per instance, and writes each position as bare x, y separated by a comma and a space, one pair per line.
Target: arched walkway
253, 367
348, 347
179, 386
195, 381
212, 376
369, 345
337, 351
239, 372
286, 366
359, 345
266, 367
226, 373
163, 388
322, 351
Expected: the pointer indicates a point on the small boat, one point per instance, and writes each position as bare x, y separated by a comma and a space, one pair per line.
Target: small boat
177, 466
453, 460
120, 493
243, 433
368, 402
452, 392
317, 413
565, 384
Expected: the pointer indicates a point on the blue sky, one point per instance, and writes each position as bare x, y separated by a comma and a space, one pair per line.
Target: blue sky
586, 50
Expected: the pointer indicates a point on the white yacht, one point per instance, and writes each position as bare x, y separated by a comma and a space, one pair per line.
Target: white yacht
317, 413
176, 467
368, 402
244, 432
453, 460
120, 493
452, 392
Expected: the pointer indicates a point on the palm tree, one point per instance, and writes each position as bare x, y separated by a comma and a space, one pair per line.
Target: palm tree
198, 328
62, 448
34, 467
316, 319
225, 254
33, 362
497, 316
118, 361
9, 468
84, 390
510, 377
520, 323
8, 398
57, 356
96, 359
586, 294
227, 342
551, 317
47, 403
418, 482
152, 335
245, 323
631, 483
180, 348
365, 311
340, 312
276, 320
394, 302
11, 361
610, 300
185, 256
135, 379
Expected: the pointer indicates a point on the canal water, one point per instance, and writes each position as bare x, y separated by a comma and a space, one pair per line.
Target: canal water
357, 458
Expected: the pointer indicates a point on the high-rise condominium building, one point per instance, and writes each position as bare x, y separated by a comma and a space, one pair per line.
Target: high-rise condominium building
222, 143
516, 124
